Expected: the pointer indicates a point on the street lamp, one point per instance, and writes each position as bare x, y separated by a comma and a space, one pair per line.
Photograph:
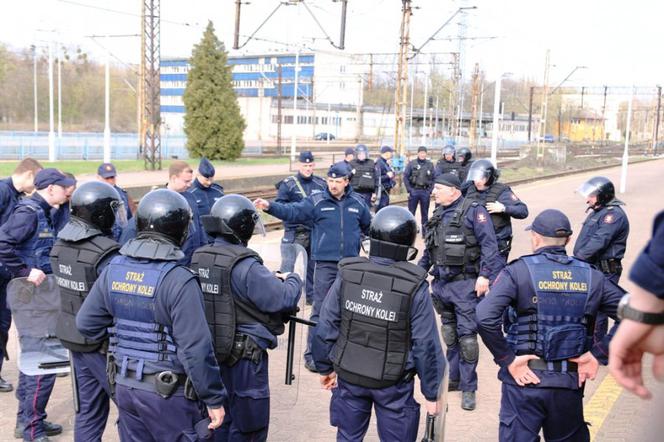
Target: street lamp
496, 116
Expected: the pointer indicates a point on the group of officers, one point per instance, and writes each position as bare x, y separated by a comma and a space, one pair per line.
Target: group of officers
168, 312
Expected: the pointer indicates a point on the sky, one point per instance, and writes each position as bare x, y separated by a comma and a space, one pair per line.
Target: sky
619, 43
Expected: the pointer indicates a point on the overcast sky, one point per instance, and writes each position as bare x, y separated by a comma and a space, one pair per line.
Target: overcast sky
619, 42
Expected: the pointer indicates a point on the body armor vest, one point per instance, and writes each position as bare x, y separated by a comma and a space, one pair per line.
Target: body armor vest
374, 335
35, 251
452, 243
137, 341
421, 174
224, 311
559, 330
445, 166
364, 177
74, 265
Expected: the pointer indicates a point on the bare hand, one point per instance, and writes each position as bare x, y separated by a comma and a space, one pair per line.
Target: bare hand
520, 371
216, 417
36, 276
431, 407
482, 286
496, 207
328, 381
588, 367
373, 197
281, 275
261, 204
390, 174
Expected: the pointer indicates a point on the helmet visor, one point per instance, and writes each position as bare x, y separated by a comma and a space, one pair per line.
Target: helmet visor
477, 174
259, 226
120, 213
588, 189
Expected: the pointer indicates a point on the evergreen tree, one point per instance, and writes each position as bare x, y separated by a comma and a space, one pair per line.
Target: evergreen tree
212, 122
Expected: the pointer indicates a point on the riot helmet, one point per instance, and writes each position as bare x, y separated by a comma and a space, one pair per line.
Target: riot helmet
234, 218
165, 213
449, 150
98, 204
483, 169
392, 234
598, 186
361, 152
464, 155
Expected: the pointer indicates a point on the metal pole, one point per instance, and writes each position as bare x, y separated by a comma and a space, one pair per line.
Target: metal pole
107, 107
293, 133
52, 155
35, 89
424, 108
530, 113
410, 126
479, 135
625, 158
435, 125
59, 95
496, 115
659, 107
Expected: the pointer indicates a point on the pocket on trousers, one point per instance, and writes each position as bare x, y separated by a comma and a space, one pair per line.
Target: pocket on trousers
250, 414
334, 411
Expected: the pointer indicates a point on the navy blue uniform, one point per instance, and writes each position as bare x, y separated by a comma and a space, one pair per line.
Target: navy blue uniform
154, 312
648, 270
292, 190
248, 411
443, 166
26, 240
337, 228
386, 183
117, 229
60, 216
453, 289
553, 330
9, 197
419, 192
396, 410
205, 196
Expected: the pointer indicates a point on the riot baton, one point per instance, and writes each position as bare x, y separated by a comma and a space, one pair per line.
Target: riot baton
74, 384
290, 351
430, 429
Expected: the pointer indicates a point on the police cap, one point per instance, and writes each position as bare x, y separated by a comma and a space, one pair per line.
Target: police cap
448, 179
107, 170
205, 168
551, 223
46, 177
338, 170
386, 149
306, 157
349, 151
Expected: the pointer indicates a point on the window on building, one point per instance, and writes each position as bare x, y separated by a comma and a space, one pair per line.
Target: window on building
288, 119
324, 120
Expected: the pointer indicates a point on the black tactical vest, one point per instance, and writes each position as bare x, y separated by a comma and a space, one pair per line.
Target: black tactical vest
374, 335
500, 220
445, 166
74, 265
421, 175
223, 311
364, 176
453, 244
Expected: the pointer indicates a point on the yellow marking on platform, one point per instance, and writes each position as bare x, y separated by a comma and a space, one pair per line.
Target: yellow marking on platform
601, 403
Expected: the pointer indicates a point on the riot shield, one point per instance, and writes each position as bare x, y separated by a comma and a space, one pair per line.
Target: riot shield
439, 427
287, 360
35, 311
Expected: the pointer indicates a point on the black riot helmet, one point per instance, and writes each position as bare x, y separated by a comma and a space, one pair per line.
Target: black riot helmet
165, 213
464, 154
234, 218
392, 234
361, 151
482, 169
449, 150
598, 186
98, 204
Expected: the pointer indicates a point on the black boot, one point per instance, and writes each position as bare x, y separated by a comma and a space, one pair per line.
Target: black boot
468, 400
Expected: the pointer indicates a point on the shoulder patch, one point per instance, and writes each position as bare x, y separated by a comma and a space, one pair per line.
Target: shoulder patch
609, 218
481, 217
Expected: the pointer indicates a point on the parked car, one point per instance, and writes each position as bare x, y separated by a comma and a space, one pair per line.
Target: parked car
324, 136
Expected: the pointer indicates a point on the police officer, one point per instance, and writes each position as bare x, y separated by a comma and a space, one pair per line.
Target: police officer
83, 249
364, 175
60, 215
291, 190
205, 190
349, 155
464, 156
180, 176
245, 313
547, 354
161, 359
418, 178
377, 330
462, 248
20, 182
26, 240
448, 163
339, 217
499, 200
386, 176
106, 172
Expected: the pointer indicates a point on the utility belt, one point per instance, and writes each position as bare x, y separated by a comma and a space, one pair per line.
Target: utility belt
559, 366
164, 383
244, 347
612, 266
462, 277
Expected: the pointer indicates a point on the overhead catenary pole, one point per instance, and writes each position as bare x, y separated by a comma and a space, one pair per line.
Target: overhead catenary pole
659, 108
496, 123
530, 112
625, 158
412, 97
34, 49
401, 90
107, 105
52, 154
293, 146
424, 108
59, 94
545, 103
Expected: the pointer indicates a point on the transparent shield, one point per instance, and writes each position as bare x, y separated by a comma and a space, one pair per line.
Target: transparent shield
286, 372
439, 430
35, 313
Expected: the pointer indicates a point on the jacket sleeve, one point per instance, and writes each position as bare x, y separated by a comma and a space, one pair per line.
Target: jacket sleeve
94, 316
282, 193
490, 260
406, 177
601, 239
269, 293
19, 228
648, 270
611, 294
301, 212
514, 207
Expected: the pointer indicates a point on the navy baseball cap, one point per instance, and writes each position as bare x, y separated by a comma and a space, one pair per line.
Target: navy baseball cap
106, 170
349, 151
306, 157
206, 168
422, 149
338, 170
386, 149
46, 177
551, 223
448, 179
